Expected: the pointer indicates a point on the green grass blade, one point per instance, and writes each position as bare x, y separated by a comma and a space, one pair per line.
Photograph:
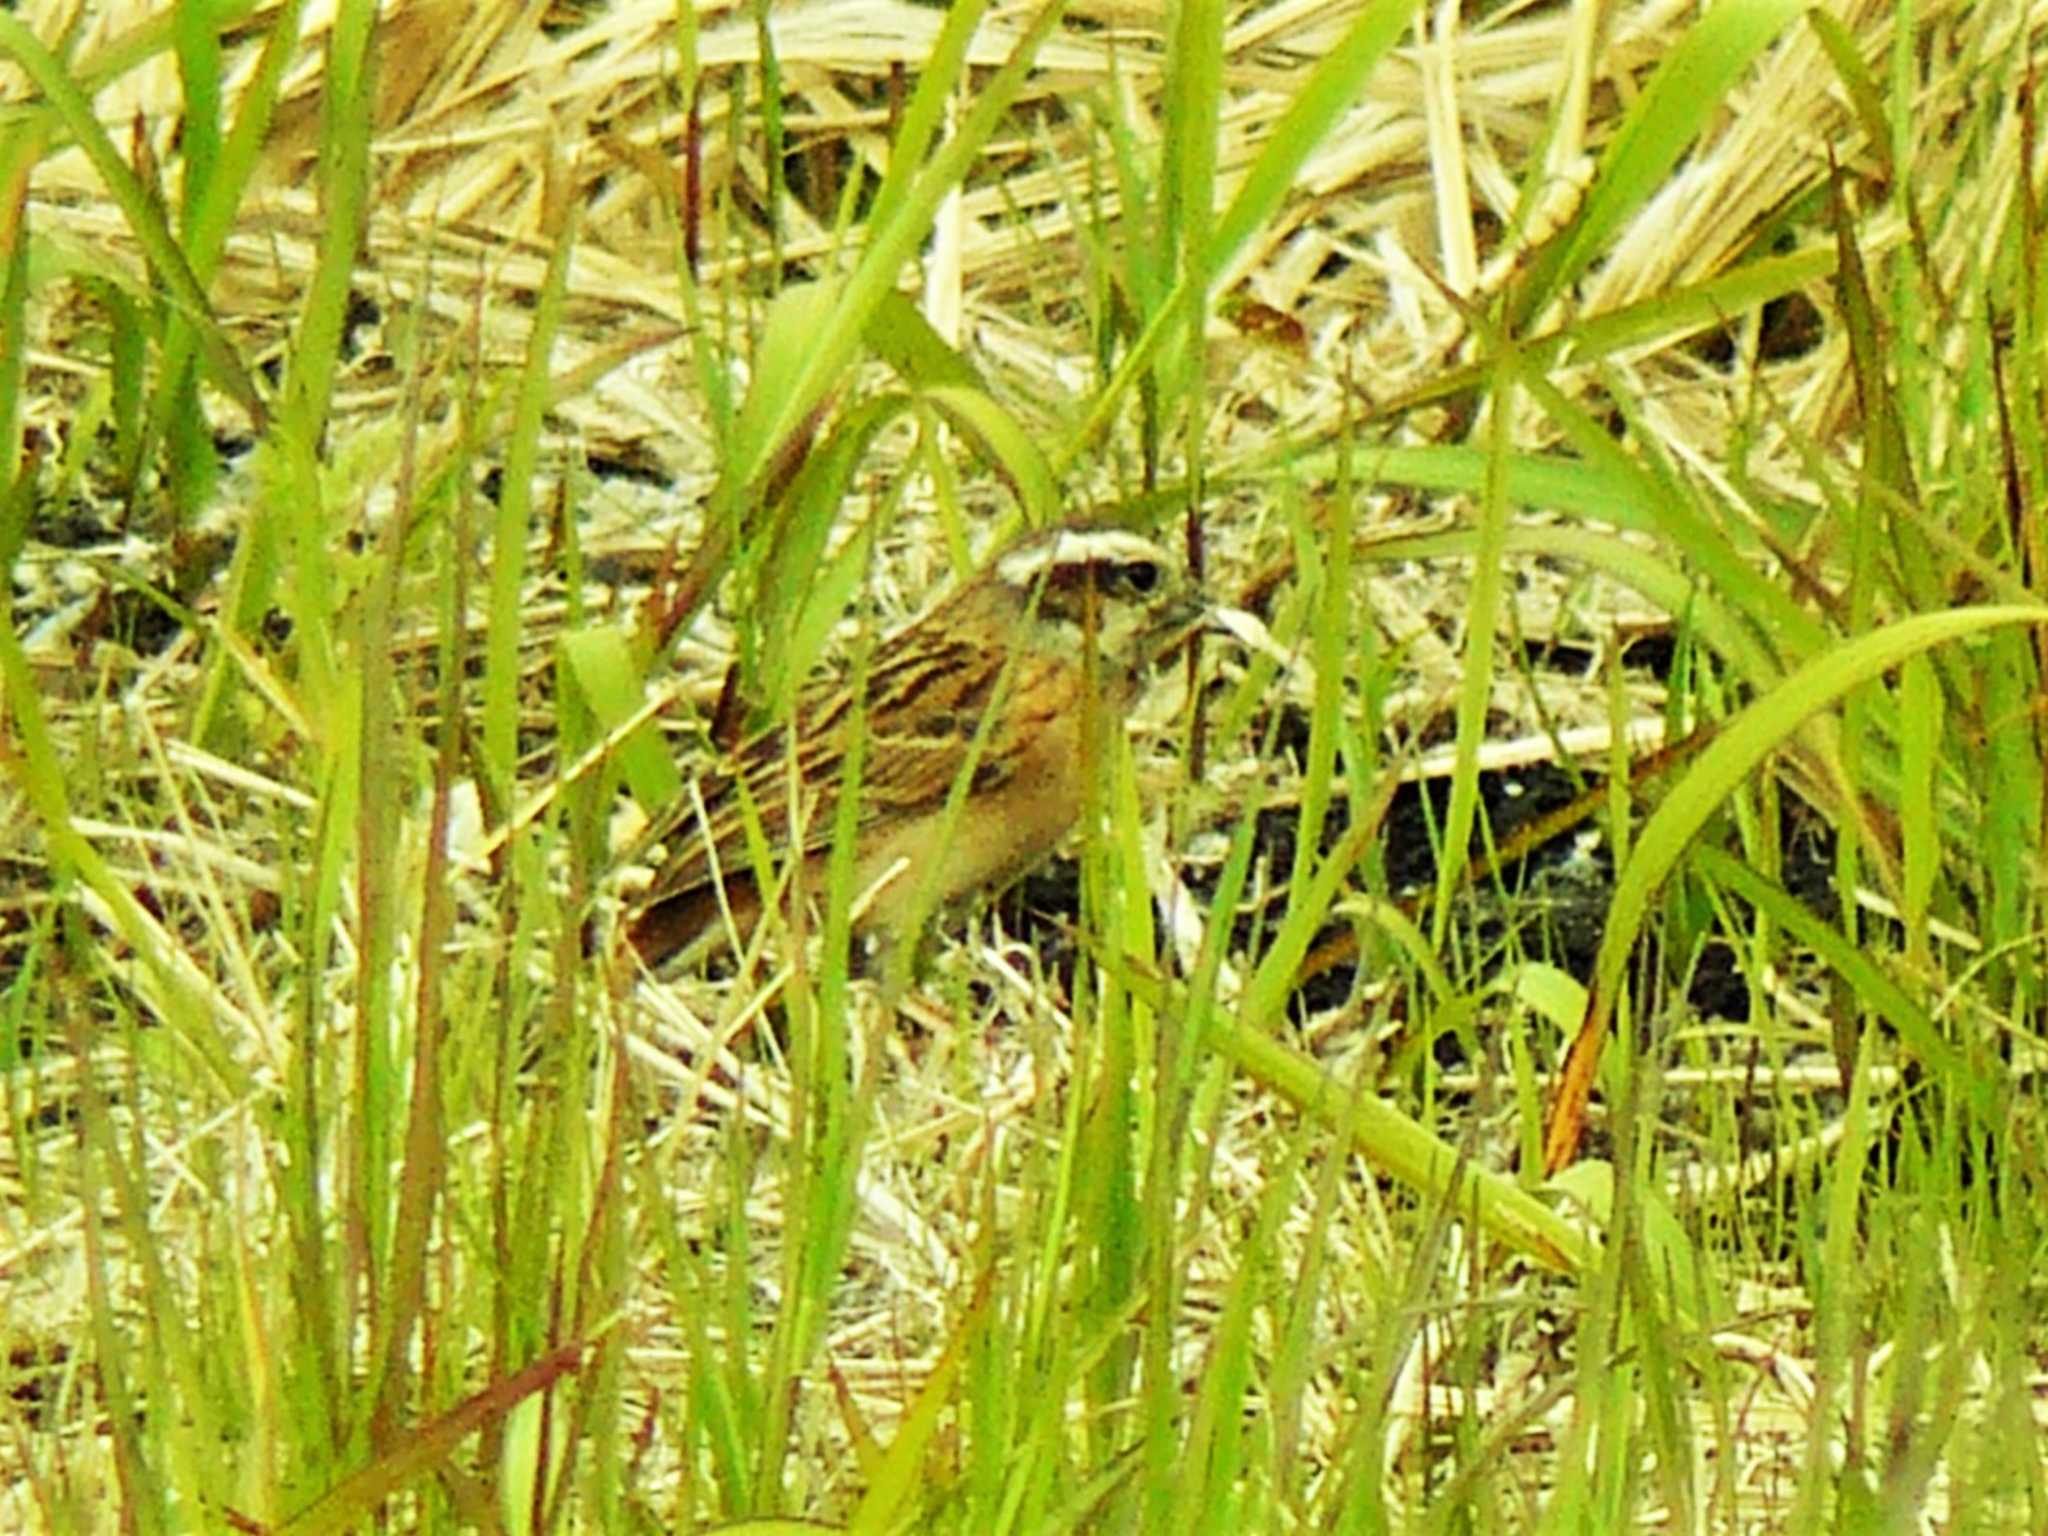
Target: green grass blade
347, 110
1309, 117
1740, 750
811, 359
500, 725
1690, 88
144, 217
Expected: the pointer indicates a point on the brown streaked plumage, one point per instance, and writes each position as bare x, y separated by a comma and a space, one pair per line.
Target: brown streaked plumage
1010, 647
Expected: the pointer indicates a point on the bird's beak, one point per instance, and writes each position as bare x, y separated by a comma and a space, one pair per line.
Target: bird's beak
1179, 619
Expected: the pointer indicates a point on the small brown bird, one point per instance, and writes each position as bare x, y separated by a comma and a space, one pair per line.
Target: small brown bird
985, 697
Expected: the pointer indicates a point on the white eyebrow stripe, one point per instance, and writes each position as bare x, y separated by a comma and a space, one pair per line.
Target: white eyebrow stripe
1076, 546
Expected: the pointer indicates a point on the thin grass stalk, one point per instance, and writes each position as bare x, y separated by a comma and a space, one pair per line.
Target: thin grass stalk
19, 152
347, 109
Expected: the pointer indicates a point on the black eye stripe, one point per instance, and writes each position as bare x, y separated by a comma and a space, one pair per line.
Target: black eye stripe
1139, 577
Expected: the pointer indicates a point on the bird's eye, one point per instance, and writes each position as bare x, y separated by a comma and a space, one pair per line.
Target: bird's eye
1141, 578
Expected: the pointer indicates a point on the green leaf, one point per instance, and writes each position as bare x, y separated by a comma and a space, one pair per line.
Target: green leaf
605, 665
1007, 447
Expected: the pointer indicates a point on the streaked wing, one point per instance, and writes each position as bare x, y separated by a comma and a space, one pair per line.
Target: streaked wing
924, 704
